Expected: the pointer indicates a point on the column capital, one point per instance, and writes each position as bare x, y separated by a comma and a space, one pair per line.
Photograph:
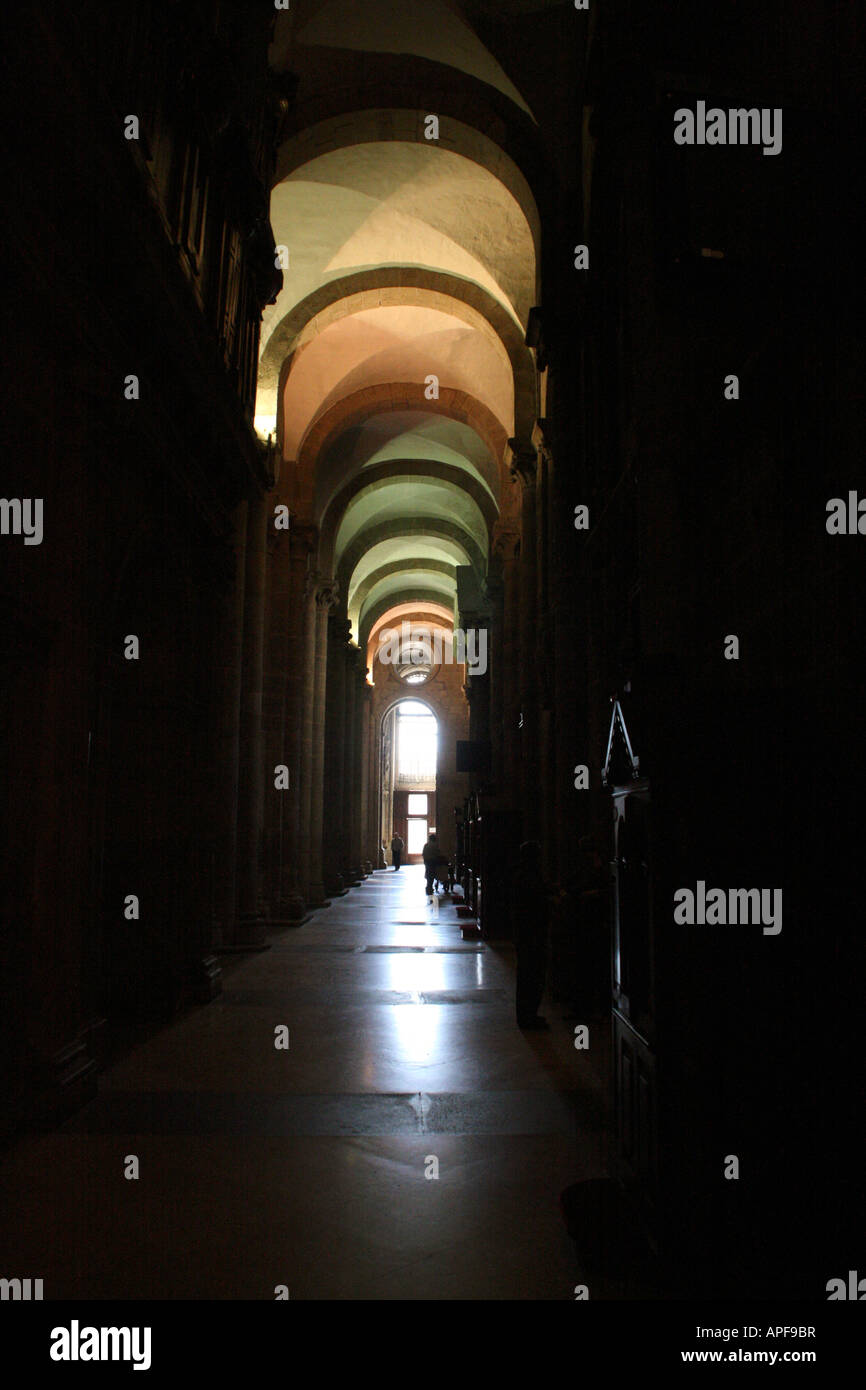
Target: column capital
521, 458
505, 542
474, 618
357, 661
541, 439
535, 337
327, 594
273, 460
339, 629
325, 591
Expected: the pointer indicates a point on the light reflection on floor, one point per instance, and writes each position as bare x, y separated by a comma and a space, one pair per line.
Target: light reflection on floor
307, 1166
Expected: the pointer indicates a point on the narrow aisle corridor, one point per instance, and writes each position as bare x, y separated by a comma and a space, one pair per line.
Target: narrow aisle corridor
433, 427
306, 1166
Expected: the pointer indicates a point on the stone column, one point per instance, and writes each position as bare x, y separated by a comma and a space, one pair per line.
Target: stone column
274, 668
524, 467
343, 808
510, 684
302, 543
230, 636
335, 851
477, 687
359, 672
544, 661
347, 790
250, 926
376, 836
541, 442
369, 851
326, 597
305, 800
388, 754
571, 742
496, 597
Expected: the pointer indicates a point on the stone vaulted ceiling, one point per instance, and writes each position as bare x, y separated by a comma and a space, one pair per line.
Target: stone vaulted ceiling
393, 366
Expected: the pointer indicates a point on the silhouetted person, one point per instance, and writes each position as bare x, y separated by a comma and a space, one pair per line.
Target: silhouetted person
531, 907
431, 855
396, 851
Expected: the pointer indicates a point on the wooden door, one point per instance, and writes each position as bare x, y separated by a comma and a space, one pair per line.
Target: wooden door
400, 820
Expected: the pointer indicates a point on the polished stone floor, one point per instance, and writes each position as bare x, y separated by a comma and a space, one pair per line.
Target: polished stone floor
308, 1166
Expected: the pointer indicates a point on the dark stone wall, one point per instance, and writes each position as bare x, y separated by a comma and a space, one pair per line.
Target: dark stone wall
708, 519
106, 761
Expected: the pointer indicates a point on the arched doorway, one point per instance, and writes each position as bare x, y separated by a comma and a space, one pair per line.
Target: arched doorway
410, 740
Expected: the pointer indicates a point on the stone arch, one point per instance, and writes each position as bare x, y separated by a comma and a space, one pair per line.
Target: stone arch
406, 580
377, 400
373, 125
407, 694
342, 204
435, 613
391, 530
417, 597
397, 567
387, 286
437, 34
394, 469
399, 436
